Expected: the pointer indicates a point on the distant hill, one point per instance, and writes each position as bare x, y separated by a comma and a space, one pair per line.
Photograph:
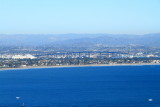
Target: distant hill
79, 39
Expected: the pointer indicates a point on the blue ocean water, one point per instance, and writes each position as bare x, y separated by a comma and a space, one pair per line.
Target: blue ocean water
110, 86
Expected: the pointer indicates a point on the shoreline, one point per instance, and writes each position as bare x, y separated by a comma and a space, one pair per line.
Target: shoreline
65, 66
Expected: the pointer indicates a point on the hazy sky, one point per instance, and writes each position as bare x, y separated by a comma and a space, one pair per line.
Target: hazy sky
79, 16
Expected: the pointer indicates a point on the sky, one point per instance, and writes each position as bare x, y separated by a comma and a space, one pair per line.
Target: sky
79, 16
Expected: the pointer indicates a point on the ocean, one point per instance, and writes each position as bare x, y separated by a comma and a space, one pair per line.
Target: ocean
104, 86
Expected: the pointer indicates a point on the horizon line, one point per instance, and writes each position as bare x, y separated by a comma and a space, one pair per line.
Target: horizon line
74, 33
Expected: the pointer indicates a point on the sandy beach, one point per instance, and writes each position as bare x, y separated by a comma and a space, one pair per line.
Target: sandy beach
91, 65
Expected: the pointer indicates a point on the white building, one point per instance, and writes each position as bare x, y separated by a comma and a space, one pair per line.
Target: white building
19, 56
27, 56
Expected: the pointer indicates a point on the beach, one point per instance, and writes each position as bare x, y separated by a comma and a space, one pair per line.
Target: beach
89, 65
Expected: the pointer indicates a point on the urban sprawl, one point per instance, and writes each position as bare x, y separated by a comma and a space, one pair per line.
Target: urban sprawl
19, 57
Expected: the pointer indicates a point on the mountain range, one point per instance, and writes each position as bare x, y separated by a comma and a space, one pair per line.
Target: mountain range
79, 40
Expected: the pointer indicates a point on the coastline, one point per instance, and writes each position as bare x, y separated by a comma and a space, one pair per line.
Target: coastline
65, 66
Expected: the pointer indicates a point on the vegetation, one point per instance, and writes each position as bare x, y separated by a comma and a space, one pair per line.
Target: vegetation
16, 63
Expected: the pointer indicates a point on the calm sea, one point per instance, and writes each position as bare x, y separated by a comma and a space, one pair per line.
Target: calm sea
110, 86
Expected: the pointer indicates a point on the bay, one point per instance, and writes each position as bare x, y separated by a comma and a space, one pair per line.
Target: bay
105, 86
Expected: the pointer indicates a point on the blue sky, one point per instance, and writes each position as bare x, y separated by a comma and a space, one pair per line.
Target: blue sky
79, 16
